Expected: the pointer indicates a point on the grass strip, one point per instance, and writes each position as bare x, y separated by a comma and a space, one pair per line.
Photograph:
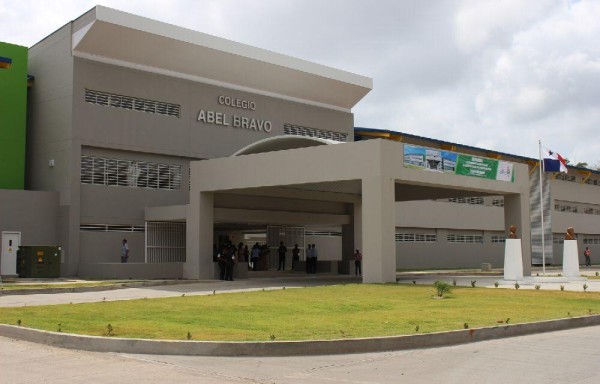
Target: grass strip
344, 311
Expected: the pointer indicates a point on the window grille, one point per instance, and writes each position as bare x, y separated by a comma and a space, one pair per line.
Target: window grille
129, 173
465, 239
323, 233
498, 239
467, 200
498, 202
291, 129
111, 228
558, 239
132, 103
416, 237
591, 240
165, 242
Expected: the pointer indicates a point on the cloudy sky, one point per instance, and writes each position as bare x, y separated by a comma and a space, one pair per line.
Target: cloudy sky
494, 74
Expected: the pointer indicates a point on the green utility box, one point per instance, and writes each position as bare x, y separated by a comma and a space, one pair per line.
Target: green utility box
38, 261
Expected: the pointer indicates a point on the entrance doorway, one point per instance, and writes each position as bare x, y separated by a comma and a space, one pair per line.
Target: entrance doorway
8, 259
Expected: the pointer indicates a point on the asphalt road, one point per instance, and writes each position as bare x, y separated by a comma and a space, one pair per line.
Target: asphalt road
564, 357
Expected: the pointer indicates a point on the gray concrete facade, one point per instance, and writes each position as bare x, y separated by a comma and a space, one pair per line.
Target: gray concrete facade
214, 84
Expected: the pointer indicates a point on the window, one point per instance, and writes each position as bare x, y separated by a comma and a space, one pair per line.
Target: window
465, 239
290, 129
416, 237
591, 240
498, 202
132, 103
323, 233
111, 228
467, 200
498, 239
129, 173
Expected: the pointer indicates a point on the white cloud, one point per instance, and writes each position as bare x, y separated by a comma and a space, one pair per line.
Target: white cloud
497, 74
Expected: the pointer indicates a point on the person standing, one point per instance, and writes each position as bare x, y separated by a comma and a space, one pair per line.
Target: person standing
254, 256
222, 259
308, 257
124, 251
357, 263
295, 255
281, 251
587, 253
315, 256
230, 260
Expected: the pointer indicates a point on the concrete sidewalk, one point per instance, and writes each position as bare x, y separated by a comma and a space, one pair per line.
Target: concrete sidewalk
204, 287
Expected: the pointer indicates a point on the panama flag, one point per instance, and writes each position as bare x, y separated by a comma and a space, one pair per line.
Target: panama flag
554, 162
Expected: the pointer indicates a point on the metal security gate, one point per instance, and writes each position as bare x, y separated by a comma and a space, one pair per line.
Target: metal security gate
290, 236
165, 242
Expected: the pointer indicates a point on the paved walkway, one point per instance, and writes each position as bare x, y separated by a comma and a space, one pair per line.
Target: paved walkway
289, 281
189, 289
566, 357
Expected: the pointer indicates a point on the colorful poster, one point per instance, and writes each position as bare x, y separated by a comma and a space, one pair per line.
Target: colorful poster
438, 160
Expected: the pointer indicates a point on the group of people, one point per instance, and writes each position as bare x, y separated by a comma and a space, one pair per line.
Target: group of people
282, 253
227, 257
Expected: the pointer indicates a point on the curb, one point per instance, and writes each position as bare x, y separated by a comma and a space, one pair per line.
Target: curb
289, 348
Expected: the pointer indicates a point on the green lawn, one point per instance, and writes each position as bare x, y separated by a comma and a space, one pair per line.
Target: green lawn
353, 310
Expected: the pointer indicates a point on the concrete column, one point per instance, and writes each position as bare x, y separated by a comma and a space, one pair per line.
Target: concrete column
351, 240
378, 228
199, 237
516, 211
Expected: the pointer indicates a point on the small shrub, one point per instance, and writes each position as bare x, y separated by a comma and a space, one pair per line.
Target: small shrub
441, 288
585, 287
109, 330
414, 282
189, 336
560, 274
537, 287
517, 286
417, 328
19, 322
537, 274
59, 328
473, 282
466, 326
562, 287
454, 281
597, 273
496, 284
272, 337
569, 314
507, 320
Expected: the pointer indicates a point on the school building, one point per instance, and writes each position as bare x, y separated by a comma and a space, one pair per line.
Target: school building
124, 127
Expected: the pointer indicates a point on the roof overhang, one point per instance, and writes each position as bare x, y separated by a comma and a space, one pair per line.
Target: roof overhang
107, 35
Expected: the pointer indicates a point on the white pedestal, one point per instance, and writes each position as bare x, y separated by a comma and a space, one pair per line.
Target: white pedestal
570, 259
513, 260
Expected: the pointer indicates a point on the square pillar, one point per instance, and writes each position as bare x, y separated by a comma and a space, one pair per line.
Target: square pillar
378, 230
199, 237
351, 240
516, 211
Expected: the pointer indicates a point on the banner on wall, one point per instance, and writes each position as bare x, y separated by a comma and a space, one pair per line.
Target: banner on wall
438, 160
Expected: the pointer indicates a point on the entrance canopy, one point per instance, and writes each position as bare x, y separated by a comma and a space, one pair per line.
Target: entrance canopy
371, 175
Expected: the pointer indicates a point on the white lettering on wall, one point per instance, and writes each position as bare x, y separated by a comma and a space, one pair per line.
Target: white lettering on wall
223, 119
236, 103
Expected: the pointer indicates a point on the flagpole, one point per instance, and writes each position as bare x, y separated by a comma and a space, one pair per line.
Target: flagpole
542, 212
